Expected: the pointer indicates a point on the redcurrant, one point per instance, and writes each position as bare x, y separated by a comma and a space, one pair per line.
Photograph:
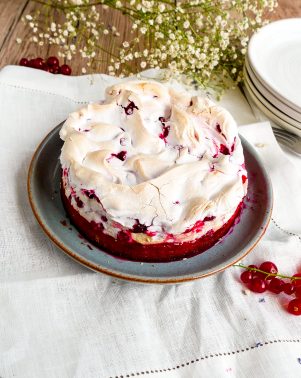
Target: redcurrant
46, 68
23, 62
55, 69
269, 267
297, 282
246, 276
288, 288
31, 63
39, 63
53, 61
297, 291
294, 306
258, 285
65, 69
276, 285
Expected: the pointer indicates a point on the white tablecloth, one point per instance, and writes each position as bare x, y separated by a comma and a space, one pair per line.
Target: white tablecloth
58, 319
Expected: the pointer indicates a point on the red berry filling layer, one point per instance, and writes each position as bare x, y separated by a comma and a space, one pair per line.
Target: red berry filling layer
127, 248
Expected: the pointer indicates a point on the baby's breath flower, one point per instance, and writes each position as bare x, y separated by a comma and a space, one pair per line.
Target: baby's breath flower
199, 41
161, 7
186, 24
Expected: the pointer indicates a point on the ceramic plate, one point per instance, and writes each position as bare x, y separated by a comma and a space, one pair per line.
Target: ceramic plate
272, 116
267, 104
44, 196
274, 53
281, 106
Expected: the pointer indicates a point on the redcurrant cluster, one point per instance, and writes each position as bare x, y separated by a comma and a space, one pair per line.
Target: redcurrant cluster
51, 65
266, 277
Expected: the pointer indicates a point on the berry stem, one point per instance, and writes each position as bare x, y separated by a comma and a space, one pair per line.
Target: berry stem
267, 274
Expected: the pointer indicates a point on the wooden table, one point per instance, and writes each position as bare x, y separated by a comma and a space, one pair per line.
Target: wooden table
12, 27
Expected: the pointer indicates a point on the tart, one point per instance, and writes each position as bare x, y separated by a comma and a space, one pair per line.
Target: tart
152, 174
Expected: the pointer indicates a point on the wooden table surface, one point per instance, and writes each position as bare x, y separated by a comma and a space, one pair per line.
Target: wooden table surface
12, 27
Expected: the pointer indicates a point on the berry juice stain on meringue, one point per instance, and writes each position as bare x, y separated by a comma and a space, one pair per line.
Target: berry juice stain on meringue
129, 109
165, 129
121, 155
139, 227
90, 193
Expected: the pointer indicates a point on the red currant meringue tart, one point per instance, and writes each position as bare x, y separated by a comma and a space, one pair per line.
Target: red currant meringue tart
152, 174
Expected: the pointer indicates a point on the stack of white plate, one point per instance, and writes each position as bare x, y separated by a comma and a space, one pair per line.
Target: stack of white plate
272, 73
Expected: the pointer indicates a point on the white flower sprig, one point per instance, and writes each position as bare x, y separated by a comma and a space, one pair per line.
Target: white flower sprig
204, 41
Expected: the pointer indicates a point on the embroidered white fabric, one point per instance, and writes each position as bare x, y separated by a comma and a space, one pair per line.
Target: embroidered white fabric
58, 319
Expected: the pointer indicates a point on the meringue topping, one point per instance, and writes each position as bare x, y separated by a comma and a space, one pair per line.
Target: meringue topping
151, 156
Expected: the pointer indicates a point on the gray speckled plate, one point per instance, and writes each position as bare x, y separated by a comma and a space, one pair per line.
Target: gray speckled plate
44, 196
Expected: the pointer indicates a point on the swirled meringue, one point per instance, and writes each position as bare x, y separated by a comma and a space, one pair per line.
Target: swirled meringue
164, 165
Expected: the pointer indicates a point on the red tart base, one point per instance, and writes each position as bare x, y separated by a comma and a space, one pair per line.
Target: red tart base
131, 250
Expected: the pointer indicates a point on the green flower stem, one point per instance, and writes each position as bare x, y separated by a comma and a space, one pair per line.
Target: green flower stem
268, 274
106, 51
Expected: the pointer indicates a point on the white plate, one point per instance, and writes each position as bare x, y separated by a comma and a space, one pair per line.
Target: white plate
278, 121
274, 53
281, 106
268, 105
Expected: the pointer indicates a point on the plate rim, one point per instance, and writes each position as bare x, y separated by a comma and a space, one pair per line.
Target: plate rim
130, 277
277, 113
269, 114
271, 97
250, 55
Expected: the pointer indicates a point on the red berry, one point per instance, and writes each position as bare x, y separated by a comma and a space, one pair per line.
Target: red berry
65, 69
258, 285
288, 288
51, 70
31, 63
276, 285
55, 69
46, 68
294, 306
269, 267
36, 63
23, 62
39, 63
297, 291
246, 276
263, 276
53, 61
297, 282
